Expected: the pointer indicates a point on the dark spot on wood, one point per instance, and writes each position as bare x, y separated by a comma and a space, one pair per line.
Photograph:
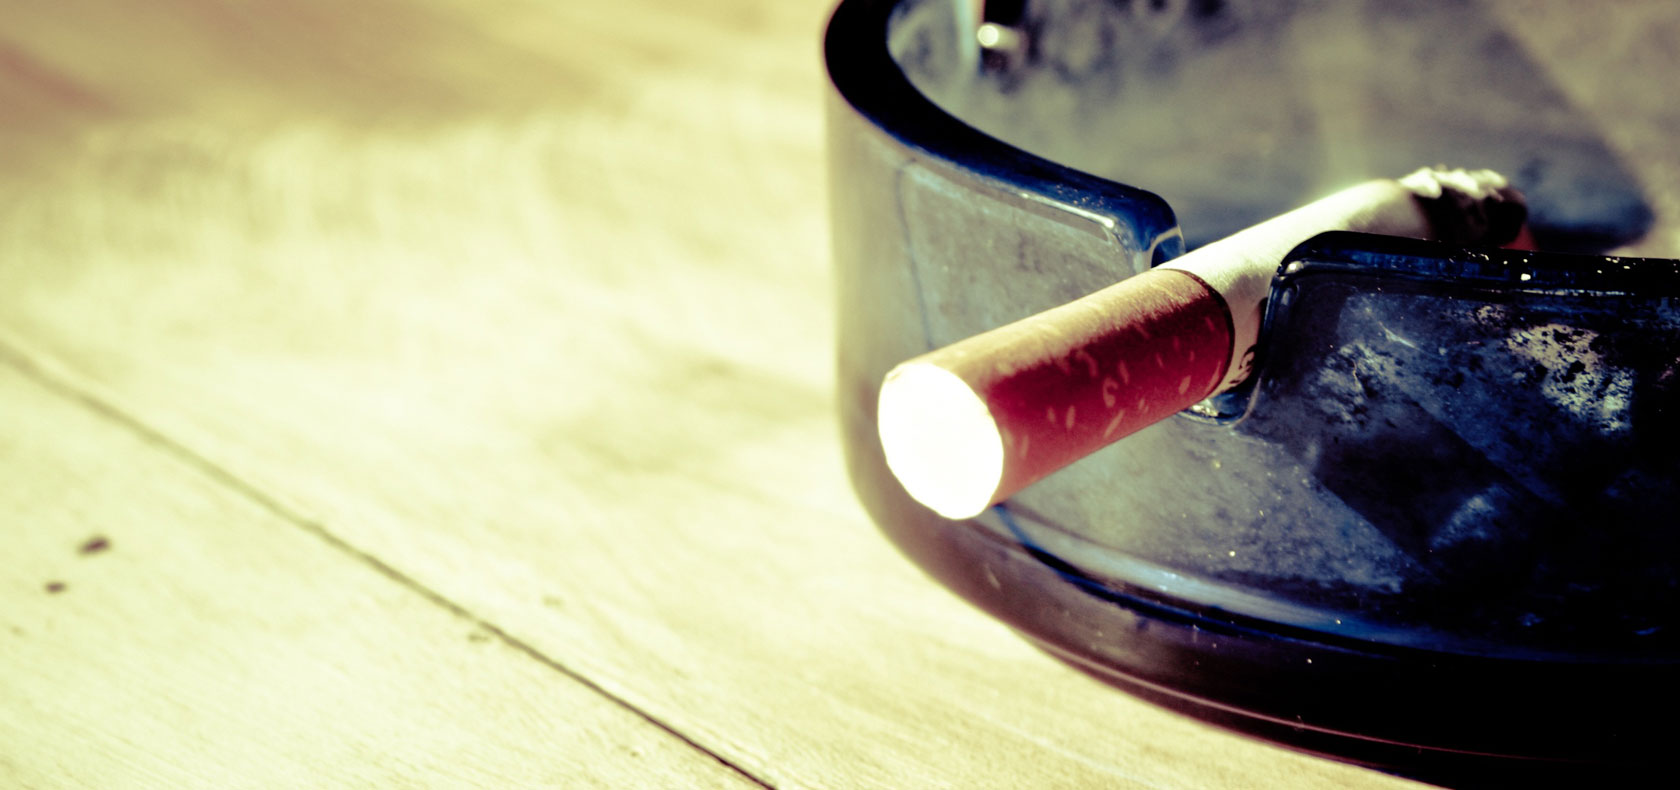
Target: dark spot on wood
56, 587
96, 544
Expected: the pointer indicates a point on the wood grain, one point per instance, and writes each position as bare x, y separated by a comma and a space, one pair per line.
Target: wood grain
161, 630
526, 303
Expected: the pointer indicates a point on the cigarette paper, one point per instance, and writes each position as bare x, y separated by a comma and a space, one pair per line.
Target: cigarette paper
966, 426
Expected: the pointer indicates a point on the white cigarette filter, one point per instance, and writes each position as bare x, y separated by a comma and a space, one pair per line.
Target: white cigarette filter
968, 425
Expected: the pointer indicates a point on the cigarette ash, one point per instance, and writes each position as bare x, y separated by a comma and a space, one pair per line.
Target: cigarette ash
1513, 451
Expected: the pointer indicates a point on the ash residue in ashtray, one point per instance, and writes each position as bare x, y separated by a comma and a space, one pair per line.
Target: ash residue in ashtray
1515, 450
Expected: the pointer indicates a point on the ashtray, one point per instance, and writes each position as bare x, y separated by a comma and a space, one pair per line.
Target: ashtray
1435, 531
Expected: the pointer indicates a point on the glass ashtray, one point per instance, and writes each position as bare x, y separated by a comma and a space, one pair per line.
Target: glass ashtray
1436, 532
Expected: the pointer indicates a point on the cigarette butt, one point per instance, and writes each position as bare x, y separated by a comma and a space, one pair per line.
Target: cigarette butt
999, 411
968, 425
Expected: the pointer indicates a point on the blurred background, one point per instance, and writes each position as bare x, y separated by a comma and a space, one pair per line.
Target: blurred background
439, 392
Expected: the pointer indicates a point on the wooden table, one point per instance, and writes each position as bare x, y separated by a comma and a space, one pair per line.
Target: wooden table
439, 393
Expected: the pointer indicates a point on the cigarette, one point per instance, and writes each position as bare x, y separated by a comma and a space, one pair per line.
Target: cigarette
969, 425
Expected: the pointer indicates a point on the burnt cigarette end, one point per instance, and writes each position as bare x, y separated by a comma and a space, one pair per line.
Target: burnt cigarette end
1463, 212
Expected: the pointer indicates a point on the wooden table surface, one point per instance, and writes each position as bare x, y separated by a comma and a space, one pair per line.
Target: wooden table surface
439, 393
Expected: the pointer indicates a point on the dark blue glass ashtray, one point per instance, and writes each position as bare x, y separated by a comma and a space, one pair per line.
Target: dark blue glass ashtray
1437, 531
